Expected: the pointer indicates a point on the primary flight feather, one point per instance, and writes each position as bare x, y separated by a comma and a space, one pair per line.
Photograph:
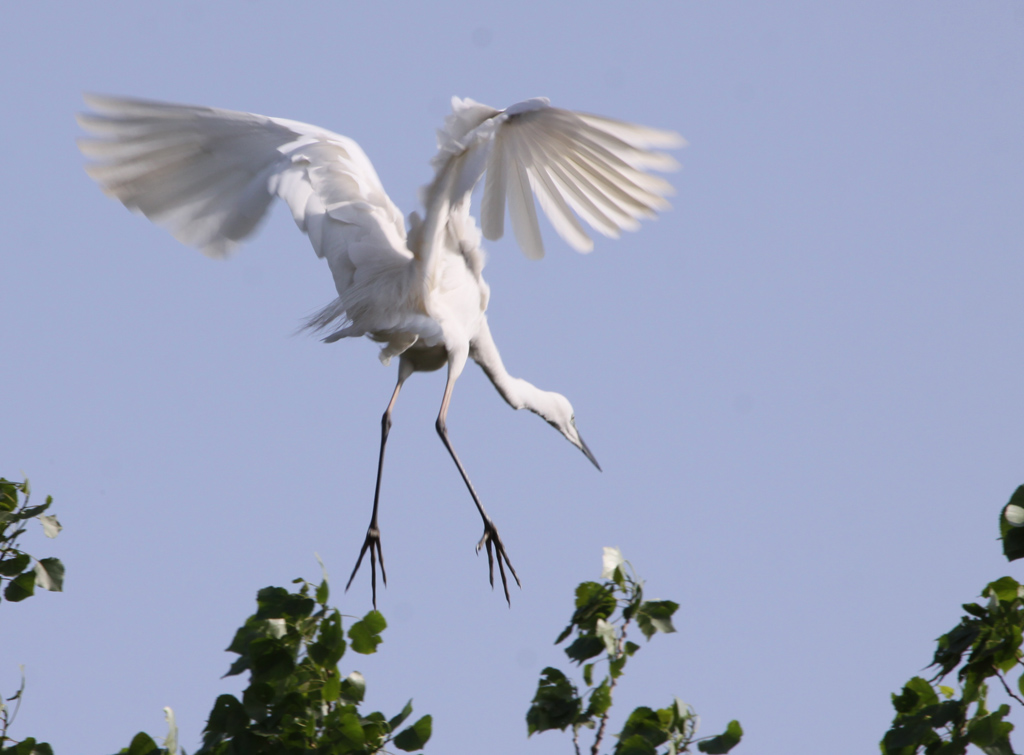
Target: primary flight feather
209, 175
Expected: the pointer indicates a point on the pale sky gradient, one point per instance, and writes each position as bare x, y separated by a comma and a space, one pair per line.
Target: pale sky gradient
803, 382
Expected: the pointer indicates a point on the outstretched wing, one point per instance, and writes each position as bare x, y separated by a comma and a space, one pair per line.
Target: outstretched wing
576, 164
209, 175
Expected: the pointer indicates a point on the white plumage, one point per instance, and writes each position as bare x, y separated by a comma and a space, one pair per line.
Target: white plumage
209, 175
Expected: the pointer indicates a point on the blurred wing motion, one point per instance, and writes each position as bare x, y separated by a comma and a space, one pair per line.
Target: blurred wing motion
573, 162
209, 175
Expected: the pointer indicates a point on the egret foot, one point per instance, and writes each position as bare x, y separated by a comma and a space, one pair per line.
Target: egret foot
372, 543
490, 538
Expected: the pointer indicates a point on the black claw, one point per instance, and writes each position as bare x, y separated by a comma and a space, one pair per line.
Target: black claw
490, 538
371, 543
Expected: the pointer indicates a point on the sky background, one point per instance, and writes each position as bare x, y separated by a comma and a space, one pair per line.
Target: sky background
803, 382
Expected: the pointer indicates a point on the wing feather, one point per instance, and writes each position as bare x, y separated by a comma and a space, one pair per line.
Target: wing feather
554, 204
522, 209
575, 163
209, 176
492, 206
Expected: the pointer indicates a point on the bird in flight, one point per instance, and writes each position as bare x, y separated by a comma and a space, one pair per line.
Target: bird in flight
208, 176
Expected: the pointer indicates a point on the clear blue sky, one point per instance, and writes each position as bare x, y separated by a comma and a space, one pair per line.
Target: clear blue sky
803, 382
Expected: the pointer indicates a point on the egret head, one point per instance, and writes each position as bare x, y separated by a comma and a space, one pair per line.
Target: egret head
559, 414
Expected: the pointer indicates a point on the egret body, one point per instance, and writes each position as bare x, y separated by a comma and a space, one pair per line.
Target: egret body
209, 175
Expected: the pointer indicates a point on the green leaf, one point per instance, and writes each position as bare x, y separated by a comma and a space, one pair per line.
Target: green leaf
50, 574
635, 745
323, 592
723, 742
593, 601
270, 659
353, 687
32, 511
256, 699
679, 718
330, 643
375, 730
1006, 589
51, 527
556, 704
332, 687
227, 718
588, 674
916, 694
365, 634
584, 648
29, 746
8, 495
415, 736
953, 644
991, 733
975, 610
21, 587
398, 720
1011, 533
600, 700
278, 603
645, 723
143, 744
349, 726
15, 564
656, 616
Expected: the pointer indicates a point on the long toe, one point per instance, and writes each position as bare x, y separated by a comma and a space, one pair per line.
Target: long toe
492, 539
371, 544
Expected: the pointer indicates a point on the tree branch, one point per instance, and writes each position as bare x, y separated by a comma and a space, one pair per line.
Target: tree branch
999, 676
611, 688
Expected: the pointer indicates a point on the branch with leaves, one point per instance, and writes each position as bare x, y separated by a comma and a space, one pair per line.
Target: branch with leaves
935, 718
20, 574
297, 700
604, 612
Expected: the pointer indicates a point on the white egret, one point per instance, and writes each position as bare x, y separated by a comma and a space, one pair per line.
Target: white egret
209, 175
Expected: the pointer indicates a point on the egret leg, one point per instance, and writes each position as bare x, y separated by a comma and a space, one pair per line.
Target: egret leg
490, 536
372, 541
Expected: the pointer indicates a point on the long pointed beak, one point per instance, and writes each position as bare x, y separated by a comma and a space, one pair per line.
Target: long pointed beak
586, 452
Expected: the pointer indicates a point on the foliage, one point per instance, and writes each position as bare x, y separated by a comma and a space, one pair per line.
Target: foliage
143, 744
297, 700
20, 574
937, 719
604, 611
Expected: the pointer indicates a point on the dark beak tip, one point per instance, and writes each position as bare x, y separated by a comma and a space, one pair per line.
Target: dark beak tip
589, 455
